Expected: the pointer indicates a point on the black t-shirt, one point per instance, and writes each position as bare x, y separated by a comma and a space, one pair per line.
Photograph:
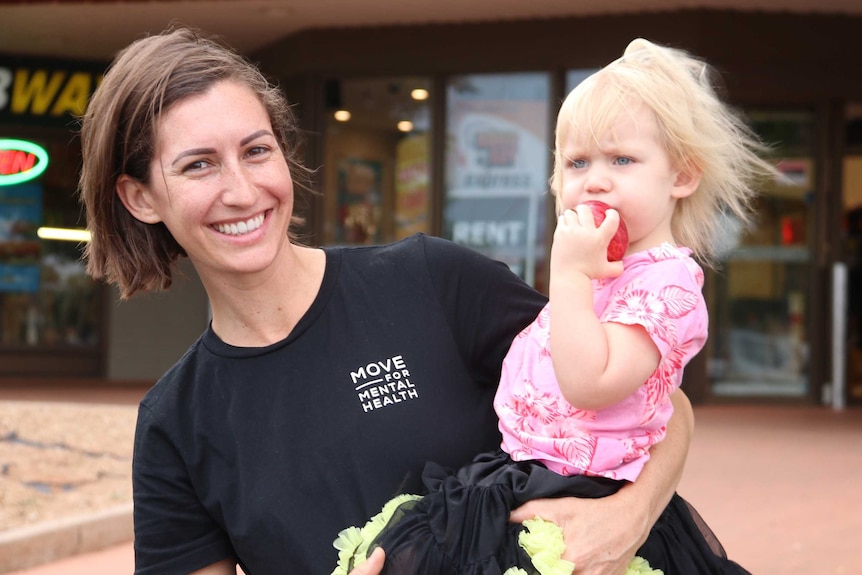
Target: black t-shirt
265, 454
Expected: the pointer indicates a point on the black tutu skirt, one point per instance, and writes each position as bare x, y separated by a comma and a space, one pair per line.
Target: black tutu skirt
461, 527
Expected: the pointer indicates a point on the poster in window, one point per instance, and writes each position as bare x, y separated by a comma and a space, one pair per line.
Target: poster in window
359, 190
412, 179
497, 167
20, 247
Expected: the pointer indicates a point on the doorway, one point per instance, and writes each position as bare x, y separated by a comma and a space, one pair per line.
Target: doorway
759, 296
851, 248
377, 159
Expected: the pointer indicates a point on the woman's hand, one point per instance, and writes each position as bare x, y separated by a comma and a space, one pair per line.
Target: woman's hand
602, 535
373, 565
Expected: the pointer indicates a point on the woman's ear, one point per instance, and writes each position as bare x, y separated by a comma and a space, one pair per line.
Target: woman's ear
686, 182
136, 197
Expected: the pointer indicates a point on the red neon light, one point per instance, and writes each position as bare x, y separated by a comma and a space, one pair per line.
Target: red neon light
16, 161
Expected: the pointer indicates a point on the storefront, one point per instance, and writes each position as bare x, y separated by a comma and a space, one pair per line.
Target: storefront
50, 311
448, 130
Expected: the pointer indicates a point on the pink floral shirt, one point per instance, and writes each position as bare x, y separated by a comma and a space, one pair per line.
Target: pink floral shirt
661, 290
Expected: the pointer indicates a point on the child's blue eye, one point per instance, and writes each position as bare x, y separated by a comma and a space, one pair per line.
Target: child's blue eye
623, 161
579, 163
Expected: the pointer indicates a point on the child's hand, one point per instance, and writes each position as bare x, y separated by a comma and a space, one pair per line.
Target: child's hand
582, 248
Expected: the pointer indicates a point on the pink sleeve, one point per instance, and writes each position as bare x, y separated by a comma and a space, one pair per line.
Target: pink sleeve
666, 298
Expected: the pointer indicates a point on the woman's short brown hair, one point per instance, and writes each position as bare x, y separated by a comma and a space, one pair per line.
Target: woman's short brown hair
119, 134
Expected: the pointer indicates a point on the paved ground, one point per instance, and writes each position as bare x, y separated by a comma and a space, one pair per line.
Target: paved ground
61, 459
781, 486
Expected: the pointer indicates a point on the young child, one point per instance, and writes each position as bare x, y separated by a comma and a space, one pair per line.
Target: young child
585, 388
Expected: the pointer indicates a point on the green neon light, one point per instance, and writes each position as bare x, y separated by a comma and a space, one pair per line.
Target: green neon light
34, 172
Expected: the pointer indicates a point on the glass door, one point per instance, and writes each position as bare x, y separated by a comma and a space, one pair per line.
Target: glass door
497, 165
759, 296
376, 172
852, 249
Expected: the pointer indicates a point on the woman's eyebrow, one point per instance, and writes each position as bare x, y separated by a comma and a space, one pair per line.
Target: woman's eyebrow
200, 151
254, 136
192, 152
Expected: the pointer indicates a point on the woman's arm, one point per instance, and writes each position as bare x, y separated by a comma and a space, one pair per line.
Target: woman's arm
602, 535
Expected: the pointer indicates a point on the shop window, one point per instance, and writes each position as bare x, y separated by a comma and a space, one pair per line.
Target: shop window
497, 165
851, 239
376, 172
47, 302
575, 77
759, 295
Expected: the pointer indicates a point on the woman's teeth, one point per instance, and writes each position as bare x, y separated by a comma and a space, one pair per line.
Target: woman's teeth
240, 228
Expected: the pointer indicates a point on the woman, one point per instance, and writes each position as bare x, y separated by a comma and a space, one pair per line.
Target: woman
327, 377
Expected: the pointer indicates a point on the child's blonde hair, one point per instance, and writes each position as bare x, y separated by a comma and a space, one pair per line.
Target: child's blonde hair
699, 132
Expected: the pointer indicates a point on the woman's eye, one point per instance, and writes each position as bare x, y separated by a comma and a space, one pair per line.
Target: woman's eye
194, 166
257, 151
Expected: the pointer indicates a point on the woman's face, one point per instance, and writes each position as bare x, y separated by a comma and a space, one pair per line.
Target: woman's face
220, 183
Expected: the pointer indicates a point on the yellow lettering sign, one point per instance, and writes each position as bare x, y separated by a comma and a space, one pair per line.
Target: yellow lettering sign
35, 92
73, 99
40, 92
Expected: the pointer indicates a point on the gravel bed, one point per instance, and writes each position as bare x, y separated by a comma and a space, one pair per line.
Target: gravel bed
59, 460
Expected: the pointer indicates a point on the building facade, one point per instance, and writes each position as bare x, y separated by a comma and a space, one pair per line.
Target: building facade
448, 130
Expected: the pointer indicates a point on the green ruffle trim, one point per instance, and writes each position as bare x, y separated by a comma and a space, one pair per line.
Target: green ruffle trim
543, 541
352, 543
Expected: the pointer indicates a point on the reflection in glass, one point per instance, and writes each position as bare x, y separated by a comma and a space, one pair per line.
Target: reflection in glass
61, 309
852, 249
758, 298
575, 77
497, 168
376, 160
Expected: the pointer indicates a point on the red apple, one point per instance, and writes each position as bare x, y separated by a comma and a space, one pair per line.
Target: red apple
620, 241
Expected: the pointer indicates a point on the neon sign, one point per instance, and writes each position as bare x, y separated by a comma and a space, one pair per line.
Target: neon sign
21, 161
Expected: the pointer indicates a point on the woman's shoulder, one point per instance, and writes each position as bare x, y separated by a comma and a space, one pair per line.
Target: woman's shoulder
431, 252
418, 242
170, 391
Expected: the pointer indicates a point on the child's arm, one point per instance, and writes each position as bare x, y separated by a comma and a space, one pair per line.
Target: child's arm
596, 364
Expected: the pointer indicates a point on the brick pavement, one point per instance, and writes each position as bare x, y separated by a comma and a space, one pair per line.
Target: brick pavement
780, 486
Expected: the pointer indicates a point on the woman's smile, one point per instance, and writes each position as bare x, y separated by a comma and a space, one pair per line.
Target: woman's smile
241, 227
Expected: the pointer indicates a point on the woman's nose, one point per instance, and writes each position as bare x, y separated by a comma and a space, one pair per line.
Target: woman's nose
237, 186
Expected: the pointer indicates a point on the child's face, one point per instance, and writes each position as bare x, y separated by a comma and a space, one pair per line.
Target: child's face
628, 169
